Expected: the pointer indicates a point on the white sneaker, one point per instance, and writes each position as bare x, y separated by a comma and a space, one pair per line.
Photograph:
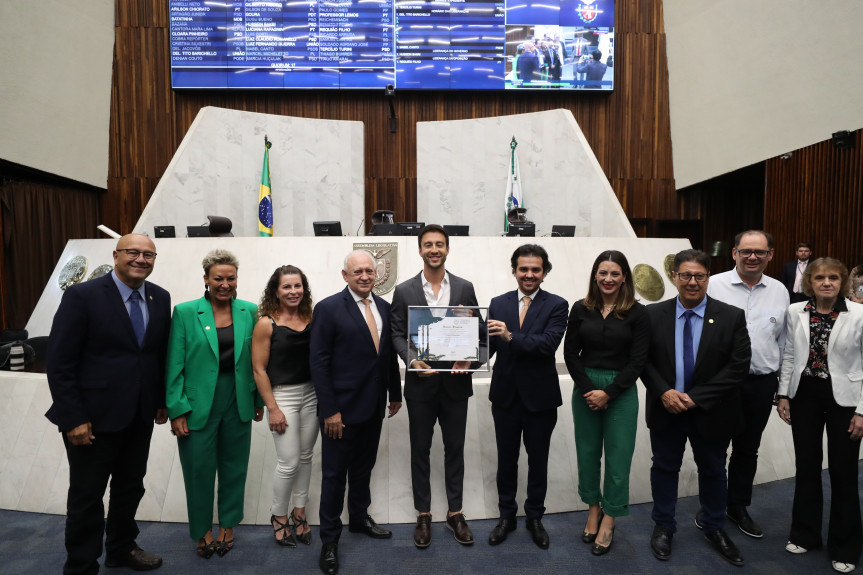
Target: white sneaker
840, 567
797, 549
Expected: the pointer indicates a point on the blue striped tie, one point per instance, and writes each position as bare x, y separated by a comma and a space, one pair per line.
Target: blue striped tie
137, 316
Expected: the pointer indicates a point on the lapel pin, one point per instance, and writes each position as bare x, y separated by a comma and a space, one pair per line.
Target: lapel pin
207, 327
710, 320
151, 298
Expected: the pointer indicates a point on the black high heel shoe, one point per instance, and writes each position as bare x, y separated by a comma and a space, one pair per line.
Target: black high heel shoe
591, 537
305, 538
287, 538
603, 549
224, 544
205, 549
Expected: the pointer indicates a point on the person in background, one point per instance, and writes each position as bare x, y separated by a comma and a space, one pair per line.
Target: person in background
792, 274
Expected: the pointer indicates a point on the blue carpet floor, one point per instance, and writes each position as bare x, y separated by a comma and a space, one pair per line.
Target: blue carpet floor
32, 543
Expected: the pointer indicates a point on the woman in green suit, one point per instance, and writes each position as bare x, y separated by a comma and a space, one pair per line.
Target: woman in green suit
212, 399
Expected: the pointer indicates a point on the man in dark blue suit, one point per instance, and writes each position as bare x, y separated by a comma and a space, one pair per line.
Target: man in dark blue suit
526, 327
106, 372
699, 357
353, 367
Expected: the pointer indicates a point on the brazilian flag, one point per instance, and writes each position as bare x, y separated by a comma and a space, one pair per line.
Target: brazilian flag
265, 199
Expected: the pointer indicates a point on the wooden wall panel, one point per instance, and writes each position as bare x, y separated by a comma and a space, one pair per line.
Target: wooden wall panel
629, 130
816, 196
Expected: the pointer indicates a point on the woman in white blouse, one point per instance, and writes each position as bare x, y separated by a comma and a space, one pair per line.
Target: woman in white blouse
820, 386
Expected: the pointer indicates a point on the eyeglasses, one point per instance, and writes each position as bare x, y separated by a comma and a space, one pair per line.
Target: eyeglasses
757, 253
135, 254
686, 277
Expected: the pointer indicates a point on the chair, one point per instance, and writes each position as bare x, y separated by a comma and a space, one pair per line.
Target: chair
220, 227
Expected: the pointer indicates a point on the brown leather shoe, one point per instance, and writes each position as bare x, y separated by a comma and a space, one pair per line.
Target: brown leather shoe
457, 524
136, 559
422, 533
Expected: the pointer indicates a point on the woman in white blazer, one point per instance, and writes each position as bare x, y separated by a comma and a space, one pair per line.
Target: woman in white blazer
820, 386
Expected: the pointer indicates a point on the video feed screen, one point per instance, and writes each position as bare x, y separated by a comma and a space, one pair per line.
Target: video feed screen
370, 44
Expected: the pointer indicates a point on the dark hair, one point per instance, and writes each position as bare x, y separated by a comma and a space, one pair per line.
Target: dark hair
696, 256
531, 250
626, 294
739, 237
596, 55
431, 228
825, 263
806, 245
269, 305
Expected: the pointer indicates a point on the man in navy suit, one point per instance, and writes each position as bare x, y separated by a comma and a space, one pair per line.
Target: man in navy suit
353, 367
699, 357
526, 327
433, 396
106, 372
792, 273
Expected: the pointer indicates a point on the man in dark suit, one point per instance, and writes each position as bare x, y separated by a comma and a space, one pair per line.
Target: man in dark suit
106, 372
792, 274
433, 396
353, 368
699, 355
526, 327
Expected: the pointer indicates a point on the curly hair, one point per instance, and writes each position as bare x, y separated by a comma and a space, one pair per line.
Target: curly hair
269, 305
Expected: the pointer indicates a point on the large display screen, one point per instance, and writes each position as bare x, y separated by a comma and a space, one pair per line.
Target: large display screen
372, 44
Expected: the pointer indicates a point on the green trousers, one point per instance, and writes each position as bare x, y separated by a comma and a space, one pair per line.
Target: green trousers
221, 447
613, 429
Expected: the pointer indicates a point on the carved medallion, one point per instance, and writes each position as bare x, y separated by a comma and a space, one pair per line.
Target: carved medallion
73, 272
648, 282
100, 271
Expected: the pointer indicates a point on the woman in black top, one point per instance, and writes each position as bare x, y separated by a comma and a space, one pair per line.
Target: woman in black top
280, 360
605, 349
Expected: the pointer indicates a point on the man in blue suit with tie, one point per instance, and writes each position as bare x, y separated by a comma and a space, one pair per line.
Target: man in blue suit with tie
699, 356
106, 372
525, 327
353, 367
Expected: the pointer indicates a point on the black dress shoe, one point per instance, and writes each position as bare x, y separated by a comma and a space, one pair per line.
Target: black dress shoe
368, 526
329, 562
137, 559
538, 533
504, 527
740, 517
725, 546
660, 543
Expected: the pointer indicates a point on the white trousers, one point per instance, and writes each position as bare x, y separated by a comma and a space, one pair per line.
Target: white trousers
294, 447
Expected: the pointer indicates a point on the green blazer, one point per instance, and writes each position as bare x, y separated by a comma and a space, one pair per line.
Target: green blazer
193, 361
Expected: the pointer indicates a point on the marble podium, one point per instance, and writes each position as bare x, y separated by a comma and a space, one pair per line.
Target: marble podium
33, 465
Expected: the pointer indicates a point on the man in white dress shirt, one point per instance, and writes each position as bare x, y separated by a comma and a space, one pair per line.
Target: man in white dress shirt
764, 300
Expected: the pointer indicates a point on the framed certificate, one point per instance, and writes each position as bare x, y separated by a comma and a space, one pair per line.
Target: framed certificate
448, 338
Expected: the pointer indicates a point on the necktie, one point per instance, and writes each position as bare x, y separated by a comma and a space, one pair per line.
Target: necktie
373, 326
523, 313
798, 278
688, 355
137, 316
